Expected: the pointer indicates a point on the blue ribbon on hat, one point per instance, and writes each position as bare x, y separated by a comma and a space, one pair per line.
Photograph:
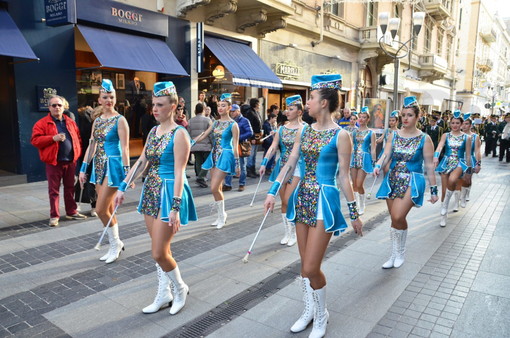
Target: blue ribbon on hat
456, 114
293, 100
333, 81
355, 113
395, 113
226, 97
165, 88
410, 101
107, 86
364, 110
467, 116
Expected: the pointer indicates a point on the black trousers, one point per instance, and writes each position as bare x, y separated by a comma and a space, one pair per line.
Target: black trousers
490, 146
504, 146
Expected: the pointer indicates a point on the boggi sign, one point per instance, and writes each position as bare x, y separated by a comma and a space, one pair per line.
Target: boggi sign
129, 17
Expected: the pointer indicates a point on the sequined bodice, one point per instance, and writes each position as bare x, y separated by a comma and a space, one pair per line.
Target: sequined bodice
312, 144
404, 150
455, 145
155, 147
218, 128
287, 139
101, 135
360, 139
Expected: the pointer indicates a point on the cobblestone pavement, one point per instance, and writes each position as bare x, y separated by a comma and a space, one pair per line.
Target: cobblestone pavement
455, 281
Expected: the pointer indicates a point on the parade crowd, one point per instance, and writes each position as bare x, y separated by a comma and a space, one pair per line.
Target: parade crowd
313, 153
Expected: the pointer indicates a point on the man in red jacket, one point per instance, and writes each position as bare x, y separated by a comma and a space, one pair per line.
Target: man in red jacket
58, 139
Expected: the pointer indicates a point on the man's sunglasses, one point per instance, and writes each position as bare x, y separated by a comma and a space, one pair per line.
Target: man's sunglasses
55, 105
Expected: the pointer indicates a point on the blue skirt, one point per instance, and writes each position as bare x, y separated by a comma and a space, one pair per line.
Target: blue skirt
226, 162
187, 212
417, 185
329, 202
114, 171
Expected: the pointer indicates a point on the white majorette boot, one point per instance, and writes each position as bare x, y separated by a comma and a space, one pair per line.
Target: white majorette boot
320, 314
285, 238
307, 315
467, 193
164, 296
446, 202
108, 253
356, 198
116, 245
179, 290
222, 215
463, 195
456, 200
401, 249
442, 222
394, 247
361, 204
292, 234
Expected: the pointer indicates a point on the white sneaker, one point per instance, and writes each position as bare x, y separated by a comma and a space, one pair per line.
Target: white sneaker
54, 221
93, 212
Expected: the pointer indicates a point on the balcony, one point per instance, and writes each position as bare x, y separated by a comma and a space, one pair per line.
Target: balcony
433, 67
255, 17
488, 34
484, 64
438, 9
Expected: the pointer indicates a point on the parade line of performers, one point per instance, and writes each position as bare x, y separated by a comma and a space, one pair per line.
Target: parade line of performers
311, 159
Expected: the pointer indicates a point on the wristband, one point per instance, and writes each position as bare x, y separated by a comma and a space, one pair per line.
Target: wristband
84, 167
478, 163
126, 170
378, 166
433, 190
193, 142
264, 162
436, 154
274, 188
176, 204
123, 186
353, 210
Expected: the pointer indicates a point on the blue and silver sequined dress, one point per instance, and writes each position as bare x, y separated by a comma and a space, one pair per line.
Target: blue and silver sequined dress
454, 156
350, 129
158, 188
473, 146
107, 160
317, 193
222, 153
361, 155
406, 170
287, 137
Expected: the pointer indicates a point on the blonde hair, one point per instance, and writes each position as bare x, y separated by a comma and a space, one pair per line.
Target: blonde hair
98, 111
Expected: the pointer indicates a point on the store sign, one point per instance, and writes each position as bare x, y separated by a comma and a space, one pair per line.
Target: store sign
119, 15
200, 47
43, 96
60, 12
288, 71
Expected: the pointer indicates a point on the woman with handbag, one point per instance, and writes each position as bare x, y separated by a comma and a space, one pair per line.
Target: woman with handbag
224, 157
284, 140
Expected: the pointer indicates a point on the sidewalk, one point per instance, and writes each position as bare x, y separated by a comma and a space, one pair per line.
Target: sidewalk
455, 281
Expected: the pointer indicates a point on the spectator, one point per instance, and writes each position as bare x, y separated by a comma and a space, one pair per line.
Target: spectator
58, 140
196, 126
269, 130
253, 115
245, 133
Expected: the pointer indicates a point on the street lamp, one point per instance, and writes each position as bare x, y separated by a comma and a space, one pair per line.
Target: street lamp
404, 48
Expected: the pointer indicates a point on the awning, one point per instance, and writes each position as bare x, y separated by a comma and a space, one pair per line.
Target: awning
125, 51
433, 97
12, 42
246, 66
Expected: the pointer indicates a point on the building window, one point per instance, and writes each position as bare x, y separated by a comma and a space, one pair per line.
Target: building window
460, 18
335, 8
439, 42
371, 11
428, 36
449, 50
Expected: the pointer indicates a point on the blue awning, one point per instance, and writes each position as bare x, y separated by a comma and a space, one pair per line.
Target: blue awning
12, 42
246, 66
125, 51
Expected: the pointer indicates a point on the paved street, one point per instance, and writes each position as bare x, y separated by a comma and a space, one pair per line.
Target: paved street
455, 281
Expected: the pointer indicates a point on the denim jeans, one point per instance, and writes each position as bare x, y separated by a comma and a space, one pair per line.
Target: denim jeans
242, 177
252, 159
